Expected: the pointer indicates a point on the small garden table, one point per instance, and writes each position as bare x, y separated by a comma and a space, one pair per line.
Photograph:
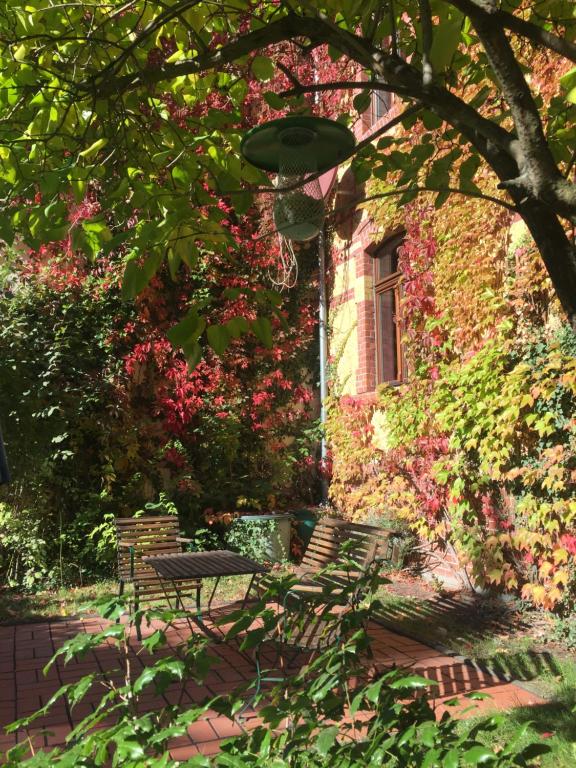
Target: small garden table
201, 565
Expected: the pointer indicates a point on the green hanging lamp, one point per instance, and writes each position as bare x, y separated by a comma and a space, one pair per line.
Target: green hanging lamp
295, 148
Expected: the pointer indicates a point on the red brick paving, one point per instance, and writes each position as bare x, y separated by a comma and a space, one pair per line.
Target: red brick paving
25, 649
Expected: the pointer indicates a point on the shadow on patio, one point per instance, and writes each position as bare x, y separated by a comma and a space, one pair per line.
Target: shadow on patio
25, 649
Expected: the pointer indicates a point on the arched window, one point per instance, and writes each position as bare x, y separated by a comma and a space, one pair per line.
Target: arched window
390, 364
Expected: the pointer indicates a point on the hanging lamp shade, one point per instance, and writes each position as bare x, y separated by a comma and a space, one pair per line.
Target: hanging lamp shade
296, 148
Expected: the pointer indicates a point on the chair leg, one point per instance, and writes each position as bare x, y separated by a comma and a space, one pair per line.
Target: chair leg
121, 586
136, 606
249, 703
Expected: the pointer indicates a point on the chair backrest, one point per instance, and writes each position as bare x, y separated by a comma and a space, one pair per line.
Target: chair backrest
148, 536
329, 535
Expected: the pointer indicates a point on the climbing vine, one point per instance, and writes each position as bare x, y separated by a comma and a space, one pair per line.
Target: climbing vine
478, 447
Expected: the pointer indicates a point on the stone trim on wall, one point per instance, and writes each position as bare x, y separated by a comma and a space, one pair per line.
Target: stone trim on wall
342, 298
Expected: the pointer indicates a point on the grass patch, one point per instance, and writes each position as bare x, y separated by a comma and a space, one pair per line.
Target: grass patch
501, 639
17, 607
554, 721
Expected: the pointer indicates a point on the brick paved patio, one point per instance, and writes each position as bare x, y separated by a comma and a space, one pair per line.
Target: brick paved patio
26, 648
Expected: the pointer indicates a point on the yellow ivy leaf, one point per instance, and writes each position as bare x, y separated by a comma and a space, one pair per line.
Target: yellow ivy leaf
527, 591
494, 576
554, 596
560, 577
511, 581
560, 556
538, 594
545, 570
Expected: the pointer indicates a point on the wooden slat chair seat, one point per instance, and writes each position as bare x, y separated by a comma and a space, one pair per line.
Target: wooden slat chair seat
324, 550
146, 537
330, 533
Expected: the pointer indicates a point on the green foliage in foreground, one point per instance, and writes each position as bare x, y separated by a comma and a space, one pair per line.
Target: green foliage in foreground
142, 107
303, 717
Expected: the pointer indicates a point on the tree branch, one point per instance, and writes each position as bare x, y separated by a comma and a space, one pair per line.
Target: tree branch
539, 175
408, 112
340, 85
519, 26
426, 22
398, 76
284, 29
421, 188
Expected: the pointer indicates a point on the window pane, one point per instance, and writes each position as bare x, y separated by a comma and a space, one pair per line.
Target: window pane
380, 101
387, 262
388, 353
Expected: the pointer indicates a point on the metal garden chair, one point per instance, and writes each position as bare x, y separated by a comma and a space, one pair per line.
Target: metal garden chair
315, 616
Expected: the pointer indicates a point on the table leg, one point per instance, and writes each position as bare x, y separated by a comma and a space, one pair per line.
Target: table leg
199, 618
180, 603
246, 596
209, 607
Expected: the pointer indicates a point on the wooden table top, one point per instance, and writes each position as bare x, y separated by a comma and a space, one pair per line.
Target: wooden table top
191, 565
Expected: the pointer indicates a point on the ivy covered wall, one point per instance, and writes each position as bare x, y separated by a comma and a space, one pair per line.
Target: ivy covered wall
477, 447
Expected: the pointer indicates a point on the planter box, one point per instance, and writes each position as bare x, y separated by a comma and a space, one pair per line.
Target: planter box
278, 544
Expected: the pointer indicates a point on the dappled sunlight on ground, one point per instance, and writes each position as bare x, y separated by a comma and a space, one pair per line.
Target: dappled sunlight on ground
25, 649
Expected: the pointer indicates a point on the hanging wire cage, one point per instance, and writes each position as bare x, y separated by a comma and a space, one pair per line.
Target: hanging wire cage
298, 149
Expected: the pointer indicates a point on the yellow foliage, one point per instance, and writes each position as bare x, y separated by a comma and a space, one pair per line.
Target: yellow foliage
560, 555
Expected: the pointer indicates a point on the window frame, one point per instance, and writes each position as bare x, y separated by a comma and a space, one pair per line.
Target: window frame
391, 282
379, 97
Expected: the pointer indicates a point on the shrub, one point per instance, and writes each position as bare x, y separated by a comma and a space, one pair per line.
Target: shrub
112, 417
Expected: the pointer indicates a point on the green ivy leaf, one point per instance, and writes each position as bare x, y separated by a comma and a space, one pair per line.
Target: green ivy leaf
193, 354
568, 83
431, 758
445, 41
427, 733
134, 280
154, 641
6, 230
362, 101
163, 673
236, 326
93, 149
262, 329
263, 68
187, 330
273, 100
326, 739
77, 692
413, 682
479, 755
451, 759
218, 338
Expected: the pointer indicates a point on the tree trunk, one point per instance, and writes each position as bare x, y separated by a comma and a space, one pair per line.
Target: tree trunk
557, 251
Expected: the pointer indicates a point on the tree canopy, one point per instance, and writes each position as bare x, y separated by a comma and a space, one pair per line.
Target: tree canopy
120, 121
